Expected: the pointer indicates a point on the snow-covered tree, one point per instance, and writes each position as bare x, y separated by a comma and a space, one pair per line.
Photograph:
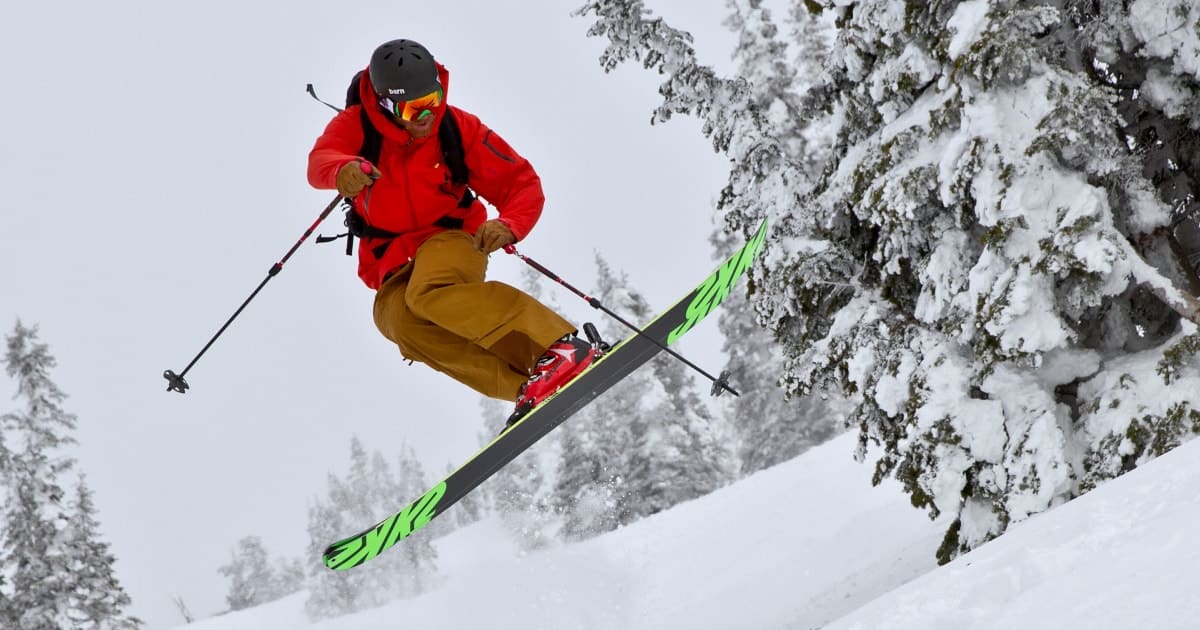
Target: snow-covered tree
775, 71
598, 447
684, 452
97, 599
255, 578
478, 503
289, 576
463, 513
36, 555
772, 426
60, 570
469, 509
985, 263
518, 493
330, 593
519, 496
589, 489
251, 576
416, 558
370, 492
643, 446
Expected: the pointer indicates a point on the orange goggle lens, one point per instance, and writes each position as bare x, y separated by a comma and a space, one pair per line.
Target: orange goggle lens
414, 109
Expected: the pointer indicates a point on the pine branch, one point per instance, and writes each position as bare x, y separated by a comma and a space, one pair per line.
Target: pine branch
1182, 302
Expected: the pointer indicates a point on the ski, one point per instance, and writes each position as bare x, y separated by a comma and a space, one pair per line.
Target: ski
620, 361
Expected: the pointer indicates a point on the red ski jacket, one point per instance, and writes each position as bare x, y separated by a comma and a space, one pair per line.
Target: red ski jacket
415, 190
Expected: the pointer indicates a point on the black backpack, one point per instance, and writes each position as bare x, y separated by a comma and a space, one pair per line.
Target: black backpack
450, 139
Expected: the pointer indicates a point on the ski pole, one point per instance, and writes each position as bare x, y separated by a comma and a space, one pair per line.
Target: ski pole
176, 382
719, 383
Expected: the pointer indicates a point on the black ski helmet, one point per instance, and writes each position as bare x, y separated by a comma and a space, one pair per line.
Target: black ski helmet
403, 69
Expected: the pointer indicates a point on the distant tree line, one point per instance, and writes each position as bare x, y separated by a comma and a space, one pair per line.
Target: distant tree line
56, 571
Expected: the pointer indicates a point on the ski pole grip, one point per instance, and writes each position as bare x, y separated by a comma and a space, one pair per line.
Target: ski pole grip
368, 169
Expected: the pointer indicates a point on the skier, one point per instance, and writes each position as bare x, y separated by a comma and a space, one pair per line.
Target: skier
426, 238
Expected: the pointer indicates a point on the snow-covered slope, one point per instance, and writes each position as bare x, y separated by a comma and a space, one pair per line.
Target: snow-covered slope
810, 544
1126, 555
795, 546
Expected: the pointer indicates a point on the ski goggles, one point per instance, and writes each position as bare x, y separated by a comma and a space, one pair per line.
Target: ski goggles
413, 109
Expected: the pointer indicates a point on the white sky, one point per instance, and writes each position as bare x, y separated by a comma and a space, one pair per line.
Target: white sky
154, 168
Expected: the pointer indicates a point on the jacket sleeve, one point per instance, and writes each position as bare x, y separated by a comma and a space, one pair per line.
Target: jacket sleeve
502, 176
337, 145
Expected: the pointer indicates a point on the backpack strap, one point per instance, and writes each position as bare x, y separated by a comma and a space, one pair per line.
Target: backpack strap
372, 139
450, 137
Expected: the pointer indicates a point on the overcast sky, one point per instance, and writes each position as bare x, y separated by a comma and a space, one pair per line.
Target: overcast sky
154, 168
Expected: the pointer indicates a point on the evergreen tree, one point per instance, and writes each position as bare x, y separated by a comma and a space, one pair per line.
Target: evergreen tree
252, 579
775, 73
985, 262
36, 553
256, 578
599, 450
8, 614
683, 452
416, 558
61, 571
771, 426
679, 451
97, 600
445, 524
477, 504
289, 577
643, 446
762, 60
471, 508
369, 493
589, 485
330, 593
518, 492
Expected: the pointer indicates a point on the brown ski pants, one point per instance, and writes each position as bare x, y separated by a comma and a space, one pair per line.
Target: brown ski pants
485, 334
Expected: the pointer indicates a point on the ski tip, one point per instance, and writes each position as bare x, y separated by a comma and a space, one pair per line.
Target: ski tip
340, 555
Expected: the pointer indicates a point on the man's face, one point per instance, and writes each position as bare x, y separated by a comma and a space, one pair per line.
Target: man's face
415, 115
417, 128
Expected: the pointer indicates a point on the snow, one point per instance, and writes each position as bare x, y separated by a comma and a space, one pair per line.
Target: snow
892, 390
810, 544
968, 22
1167, 92
797, 545
1114, 413
1169, 29
1122, 556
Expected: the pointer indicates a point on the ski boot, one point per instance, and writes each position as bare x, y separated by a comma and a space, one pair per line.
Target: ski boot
563, 361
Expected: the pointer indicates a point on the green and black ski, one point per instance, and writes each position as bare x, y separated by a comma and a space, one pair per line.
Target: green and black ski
616, 364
